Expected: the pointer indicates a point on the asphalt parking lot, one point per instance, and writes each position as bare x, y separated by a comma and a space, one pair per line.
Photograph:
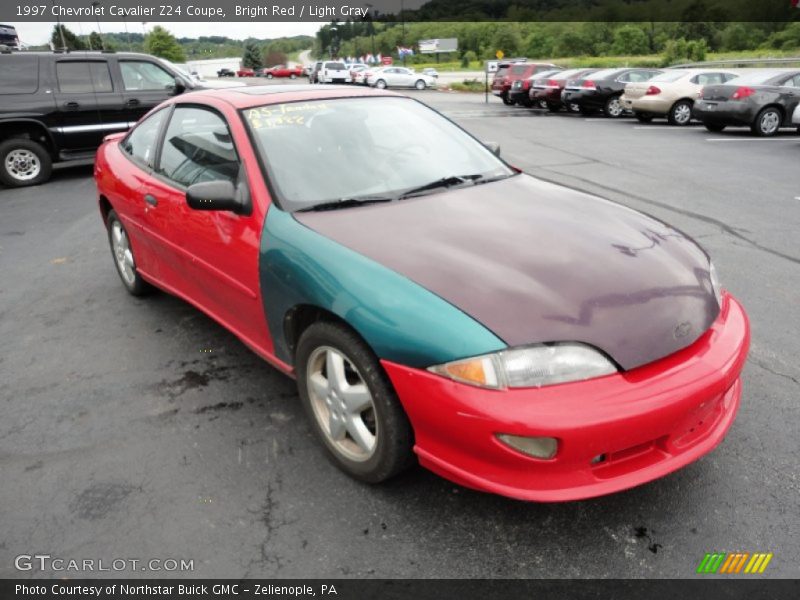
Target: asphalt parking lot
138, 428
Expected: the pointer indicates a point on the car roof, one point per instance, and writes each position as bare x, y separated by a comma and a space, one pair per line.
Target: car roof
259, 95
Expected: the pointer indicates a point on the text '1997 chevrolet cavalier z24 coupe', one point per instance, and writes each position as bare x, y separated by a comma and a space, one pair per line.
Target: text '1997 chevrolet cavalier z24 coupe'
518, 337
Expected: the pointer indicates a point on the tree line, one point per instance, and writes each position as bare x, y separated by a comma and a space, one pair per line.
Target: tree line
160, 42
480, 41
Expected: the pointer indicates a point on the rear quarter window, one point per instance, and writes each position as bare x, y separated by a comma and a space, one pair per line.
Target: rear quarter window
19, 74
519, 69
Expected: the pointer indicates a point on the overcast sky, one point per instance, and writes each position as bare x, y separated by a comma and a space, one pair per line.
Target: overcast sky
39, 33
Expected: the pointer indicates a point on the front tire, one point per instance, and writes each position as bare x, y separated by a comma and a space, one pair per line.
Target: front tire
553, 108
292, 76
351, 404
24, 162
420, 85
767, 122
269, 75
506, 100
124, 260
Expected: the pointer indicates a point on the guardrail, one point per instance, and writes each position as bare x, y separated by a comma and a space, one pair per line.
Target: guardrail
734, 62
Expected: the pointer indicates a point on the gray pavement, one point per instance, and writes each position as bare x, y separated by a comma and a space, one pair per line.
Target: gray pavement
141, 429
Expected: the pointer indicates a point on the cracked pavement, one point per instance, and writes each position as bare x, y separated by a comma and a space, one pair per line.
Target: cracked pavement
138, 428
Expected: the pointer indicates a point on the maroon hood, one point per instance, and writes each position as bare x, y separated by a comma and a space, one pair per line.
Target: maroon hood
537, 262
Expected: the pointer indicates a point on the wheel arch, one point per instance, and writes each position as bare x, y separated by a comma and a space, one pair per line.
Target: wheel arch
301, 316
105, 208
28, 129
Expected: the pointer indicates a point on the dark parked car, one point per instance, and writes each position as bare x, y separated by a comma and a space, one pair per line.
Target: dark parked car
509, 72
56, 107
226, 73
520, 89
548, 89
602, 89
764, 101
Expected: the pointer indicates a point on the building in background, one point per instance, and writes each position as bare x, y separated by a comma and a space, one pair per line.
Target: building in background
209, 67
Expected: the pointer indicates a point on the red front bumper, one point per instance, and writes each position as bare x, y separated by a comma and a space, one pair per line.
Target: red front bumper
646, 422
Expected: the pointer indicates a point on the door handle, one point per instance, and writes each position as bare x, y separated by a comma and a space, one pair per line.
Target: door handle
151, 200
72, 105
132, 102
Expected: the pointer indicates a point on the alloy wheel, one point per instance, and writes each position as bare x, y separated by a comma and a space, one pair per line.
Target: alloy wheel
122, 253
342, 404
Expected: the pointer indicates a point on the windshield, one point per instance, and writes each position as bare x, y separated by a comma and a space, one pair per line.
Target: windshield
604, 74
759, 78
397, 144
669, 76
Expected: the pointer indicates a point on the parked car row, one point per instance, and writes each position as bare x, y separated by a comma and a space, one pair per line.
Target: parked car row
378, 76
763, 99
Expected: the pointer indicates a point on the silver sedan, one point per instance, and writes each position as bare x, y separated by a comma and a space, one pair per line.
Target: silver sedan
399, 77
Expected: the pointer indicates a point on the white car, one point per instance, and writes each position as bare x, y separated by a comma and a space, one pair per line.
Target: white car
400, 77
796, 116
334, 71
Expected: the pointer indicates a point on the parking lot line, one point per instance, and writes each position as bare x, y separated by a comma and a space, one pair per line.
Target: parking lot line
665, 128
754, 139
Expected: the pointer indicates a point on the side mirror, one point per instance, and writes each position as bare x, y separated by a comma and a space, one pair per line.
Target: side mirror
177, 88
216, 195
494, 147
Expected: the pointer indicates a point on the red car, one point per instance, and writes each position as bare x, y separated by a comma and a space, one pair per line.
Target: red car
282, 71
548, 89
509, 72
245, 73
517, 336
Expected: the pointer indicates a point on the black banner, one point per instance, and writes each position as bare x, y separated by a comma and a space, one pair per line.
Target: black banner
399, 10
416, 589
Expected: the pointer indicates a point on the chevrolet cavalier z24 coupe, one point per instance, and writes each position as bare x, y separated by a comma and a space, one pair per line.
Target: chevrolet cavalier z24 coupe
516, 336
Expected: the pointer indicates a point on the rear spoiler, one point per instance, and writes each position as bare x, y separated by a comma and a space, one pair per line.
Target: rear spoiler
113, 137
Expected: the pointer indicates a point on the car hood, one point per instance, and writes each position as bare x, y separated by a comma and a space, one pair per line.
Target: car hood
536, 262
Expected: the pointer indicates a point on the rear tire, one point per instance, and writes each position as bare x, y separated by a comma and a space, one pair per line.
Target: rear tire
681, 113
613, 108
269, 75
506, 100
380, 84
714, 127
292, 76
351, 404
767, 123
124, 260
24, 162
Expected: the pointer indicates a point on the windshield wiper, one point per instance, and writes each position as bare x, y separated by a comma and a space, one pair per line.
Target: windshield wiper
444, 182
346, 203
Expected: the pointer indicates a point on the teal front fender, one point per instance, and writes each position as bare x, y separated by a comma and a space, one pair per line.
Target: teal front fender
401, 321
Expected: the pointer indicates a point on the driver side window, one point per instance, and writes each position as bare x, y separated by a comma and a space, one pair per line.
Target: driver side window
197, 147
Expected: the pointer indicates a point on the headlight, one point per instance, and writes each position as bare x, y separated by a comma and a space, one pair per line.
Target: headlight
530, 366
712, 275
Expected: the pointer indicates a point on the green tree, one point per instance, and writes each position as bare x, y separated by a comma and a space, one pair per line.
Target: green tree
160, 42
73, 42
252, 56
696, 50
630, 40
507, 39
675, 51
96, 41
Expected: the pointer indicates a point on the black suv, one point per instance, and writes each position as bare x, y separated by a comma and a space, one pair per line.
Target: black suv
59, 106
225, 73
